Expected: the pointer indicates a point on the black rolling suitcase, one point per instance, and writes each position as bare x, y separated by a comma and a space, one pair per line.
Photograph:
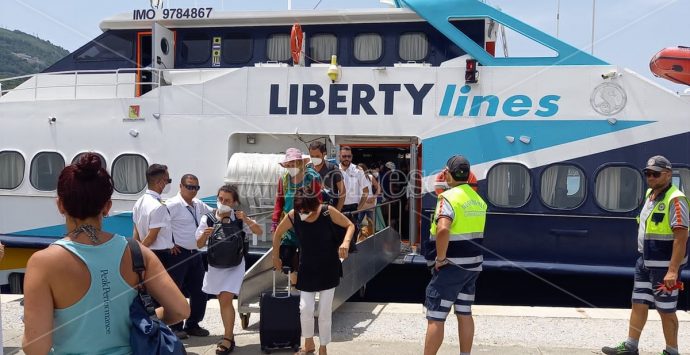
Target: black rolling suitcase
279, 326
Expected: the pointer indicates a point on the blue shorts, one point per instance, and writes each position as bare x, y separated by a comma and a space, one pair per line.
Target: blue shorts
644, 292
449, 286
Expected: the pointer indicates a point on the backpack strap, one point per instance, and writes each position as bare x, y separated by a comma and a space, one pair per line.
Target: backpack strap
211, 219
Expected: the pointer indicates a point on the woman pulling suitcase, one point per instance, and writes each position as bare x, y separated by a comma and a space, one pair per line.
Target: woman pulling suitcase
320, 265
222, 279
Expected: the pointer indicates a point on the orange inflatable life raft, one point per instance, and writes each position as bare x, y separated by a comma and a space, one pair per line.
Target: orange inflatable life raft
672, 63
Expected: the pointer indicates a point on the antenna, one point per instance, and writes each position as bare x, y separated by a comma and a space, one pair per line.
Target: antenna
558, 18
594, 6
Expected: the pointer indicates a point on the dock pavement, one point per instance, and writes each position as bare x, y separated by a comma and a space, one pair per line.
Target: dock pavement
396, 328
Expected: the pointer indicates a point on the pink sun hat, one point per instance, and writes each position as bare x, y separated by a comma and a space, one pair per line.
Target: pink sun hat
292, 154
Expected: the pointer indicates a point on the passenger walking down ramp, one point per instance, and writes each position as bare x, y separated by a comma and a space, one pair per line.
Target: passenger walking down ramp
372, 256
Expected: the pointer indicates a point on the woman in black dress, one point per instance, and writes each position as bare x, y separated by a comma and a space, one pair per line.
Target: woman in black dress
320, 257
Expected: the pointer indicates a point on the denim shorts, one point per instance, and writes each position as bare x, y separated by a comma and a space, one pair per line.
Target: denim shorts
644, 292
449, 286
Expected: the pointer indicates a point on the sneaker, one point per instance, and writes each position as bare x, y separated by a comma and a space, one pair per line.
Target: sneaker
197, 331
620, 349
181, 334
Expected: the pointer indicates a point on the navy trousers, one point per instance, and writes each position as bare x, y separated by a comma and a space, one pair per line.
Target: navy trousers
187, 270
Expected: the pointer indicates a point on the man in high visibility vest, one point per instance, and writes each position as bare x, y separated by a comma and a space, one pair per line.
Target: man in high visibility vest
662, 243
457, 231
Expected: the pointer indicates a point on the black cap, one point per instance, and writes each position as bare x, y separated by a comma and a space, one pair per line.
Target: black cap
458, 167
658, 163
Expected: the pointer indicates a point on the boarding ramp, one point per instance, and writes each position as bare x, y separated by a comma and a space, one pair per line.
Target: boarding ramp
373, 254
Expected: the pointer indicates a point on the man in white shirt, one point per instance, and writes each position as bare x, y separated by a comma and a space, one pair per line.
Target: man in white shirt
151, 217
356, 183
185, 213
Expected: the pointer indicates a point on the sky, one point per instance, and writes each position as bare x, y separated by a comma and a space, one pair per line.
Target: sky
627, 32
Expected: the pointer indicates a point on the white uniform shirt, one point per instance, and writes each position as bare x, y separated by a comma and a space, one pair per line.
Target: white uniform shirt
185, 218
149, 212
355, 182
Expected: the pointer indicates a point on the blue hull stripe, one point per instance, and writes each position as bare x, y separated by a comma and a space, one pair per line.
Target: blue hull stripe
487, 142
120, 223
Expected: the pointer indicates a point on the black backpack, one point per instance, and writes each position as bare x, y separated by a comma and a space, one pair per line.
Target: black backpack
227, 244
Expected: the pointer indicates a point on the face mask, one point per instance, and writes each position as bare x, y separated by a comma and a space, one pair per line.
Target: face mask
293, 171
317, 161
376, 174
166, 189
303, 216
223, 209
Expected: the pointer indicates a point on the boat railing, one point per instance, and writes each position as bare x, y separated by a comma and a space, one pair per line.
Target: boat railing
96, 84
78, 84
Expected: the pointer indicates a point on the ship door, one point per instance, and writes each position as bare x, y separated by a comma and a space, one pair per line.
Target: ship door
144, 52
399, 181
163, 47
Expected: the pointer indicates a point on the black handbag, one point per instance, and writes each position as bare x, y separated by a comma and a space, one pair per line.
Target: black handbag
148, 334
338, 232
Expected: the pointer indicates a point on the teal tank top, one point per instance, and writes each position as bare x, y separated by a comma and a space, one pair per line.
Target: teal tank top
98, 323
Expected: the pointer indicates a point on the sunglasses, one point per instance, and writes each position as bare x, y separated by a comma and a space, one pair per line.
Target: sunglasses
650, 173
192, 187
168, 180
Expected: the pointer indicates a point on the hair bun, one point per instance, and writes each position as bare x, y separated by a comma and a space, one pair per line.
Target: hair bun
88, 166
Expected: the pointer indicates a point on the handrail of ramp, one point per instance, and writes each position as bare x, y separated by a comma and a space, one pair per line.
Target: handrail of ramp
373, 255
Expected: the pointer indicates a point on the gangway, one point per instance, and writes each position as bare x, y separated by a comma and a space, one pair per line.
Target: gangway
373, 255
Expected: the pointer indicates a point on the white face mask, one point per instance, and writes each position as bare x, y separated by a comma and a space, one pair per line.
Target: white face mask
316, 161
223, 209
293, 171
303, 216
166, 189
376, 174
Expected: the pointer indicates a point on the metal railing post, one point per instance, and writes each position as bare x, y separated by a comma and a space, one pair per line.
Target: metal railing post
76, 81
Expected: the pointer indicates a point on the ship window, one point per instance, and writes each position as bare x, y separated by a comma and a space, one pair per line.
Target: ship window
110, 46
563, 186
78, 156
11, 170
129, 173
368, 47
618, 188
237, 48
322, 46
45, 170
278, 47
196, 48
681, 178
414, 46
509, 184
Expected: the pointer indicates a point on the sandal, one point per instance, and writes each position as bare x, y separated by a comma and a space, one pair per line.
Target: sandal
225, 350
305, 352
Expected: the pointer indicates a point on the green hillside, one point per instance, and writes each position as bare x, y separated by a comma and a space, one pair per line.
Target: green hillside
22, 54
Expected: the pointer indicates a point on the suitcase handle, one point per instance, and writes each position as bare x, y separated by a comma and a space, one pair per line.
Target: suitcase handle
288, 281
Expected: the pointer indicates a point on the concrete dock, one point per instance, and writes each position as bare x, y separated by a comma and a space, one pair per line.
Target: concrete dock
394, 328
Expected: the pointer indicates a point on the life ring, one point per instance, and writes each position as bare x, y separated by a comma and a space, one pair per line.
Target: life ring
296, 37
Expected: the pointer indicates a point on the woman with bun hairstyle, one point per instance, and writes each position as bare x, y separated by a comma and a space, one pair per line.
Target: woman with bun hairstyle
78, 291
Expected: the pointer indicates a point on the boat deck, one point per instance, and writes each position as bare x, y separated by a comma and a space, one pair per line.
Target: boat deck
395, 328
